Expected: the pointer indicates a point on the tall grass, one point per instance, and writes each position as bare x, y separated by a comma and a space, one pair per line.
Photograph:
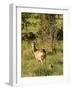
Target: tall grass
30, 67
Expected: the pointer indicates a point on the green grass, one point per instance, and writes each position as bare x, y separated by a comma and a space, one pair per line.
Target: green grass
30, 67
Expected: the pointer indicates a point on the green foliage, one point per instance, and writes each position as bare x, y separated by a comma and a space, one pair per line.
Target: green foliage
42, 24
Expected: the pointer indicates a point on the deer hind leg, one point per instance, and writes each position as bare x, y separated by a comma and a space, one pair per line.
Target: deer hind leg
40, 61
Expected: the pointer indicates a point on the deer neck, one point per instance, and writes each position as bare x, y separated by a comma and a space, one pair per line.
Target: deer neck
34, 48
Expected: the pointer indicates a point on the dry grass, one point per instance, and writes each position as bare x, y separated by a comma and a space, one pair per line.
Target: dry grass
30, 67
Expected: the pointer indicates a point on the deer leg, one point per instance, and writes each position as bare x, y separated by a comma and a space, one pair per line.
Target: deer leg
41, 61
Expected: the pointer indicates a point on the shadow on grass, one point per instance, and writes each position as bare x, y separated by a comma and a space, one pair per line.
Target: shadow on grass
60, 62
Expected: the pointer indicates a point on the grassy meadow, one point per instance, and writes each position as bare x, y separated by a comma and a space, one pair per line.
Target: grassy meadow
35, 23
30, 67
